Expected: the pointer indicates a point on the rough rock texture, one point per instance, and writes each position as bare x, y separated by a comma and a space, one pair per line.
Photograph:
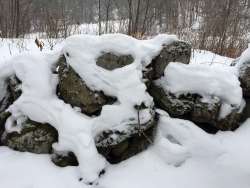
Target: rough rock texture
11, 94
191, 107
230, 122
244, 77
34, 137
3, 117
246, 111
73, 90
117, 146
204, 112
111, 61
175, 52
168, 102
63, 160
245, 81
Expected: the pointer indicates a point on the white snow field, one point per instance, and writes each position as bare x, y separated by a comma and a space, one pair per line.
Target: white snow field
182, 156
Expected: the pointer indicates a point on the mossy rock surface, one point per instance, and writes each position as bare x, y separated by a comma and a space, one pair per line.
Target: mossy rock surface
177, 51
111, 61
34, 137
192, 107
3, 117
74, 91
138, 141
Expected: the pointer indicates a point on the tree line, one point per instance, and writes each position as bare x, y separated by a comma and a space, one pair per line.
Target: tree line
220, 26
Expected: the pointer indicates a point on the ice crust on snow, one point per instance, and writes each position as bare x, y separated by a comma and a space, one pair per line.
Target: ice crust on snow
77, 131
205, 80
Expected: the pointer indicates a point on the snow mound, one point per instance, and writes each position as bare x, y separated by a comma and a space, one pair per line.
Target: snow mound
76, 131
204, 80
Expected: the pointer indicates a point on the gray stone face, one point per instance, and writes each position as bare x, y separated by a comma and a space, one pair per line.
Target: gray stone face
34, 137
175, 52
73, 90
111, 61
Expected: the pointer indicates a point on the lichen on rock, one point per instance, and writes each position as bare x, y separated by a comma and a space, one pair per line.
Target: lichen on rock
34, 137
177, 51
112, 61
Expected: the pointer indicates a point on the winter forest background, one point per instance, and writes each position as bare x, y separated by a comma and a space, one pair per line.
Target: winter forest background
219, 26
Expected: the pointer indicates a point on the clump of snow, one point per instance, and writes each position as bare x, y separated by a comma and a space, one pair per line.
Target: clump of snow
204, 80
39, 102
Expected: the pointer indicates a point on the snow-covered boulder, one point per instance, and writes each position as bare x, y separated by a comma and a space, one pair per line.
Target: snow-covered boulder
108, 70
73, 90
209, 96
177, 51
9, 92
96, 100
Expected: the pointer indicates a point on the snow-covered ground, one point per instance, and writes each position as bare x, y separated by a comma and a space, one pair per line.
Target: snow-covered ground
189, 158
207, 57
182, 156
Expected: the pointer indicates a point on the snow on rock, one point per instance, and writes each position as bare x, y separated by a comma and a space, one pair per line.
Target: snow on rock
178, 51
204, 80
39, 102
